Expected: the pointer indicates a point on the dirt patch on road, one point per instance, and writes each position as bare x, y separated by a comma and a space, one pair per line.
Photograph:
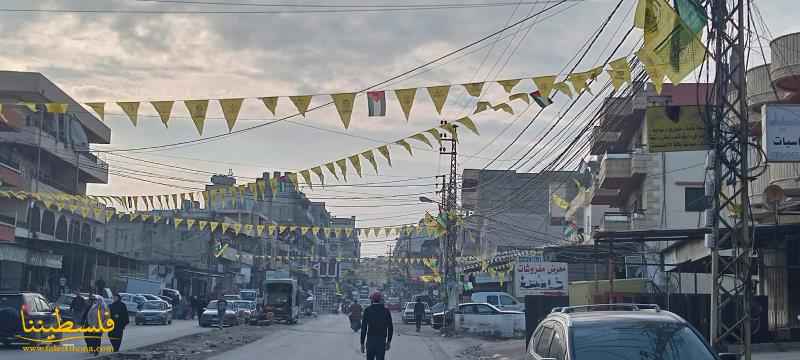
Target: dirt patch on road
197, 346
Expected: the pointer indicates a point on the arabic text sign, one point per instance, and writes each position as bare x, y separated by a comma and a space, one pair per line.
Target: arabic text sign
781, 132
541, 278
676, 128
38, 331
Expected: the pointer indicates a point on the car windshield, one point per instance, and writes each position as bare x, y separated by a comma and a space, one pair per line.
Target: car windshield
642, 341
151, 305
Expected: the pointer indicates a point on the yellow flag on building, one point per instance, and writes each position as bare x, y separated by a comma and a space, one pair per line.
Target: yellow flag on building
356, 162
260, 229
342, 163
406, 99
332, 169
384, 150
164, 110
201, 225
197, 110
271, 102
177, 222
371, 159
544, 84
344, 106
508, 85
306, 174
98, 107
318, 171
230, 109
473, 89
225, 227
212, 225
248, 229
190, 223
237, 228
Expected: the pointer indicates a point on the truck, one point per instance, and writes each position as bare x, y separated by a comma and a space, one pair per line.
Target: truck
280, 299
142, 286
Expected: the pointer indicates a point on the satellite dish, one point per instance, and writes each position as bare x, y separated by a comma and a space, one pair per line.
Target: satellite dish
774, 195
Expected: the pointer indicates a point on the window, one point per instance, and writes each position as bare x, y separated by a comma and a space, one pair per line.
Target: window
695, 199
468, 309
507, 300
643, 340
543, 345
484, 310
557, 345
492, 299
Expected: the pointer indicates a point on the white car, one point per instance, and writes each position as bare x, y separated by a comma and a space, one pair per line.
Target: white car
488, 320
500, 300
408, 314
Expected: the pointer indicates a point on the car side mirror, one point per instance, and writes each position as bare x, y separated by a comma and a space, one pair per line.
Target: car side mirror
728, 356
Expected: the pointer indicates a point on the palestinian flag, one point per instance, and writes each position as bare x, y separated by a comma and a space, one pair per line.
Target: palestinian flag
376, 101
543, 101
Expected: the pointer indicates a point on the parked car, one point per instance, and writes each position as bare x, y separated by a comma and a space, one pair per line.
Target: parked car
408, 314
150, 297
34, 307
483, 317
132, 301
501, 300
64, 305
231, 297
618, 331
174, 295
244, 309
209, 316
154, 312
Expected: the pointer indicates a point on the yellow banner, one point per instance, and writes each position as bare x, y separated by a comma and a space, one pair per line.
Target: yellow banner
545, 84
197, 110
332, 169
230, 109
435, 134
406, 99
301, 103
384, 150
508, 85
422, 138
131, 109
271, 102
469, 124
307, 178
473, 89
164, 110
356, 161
520, 96
371, 158
344, 105
342, 163
405, 145
318, 171
98, 107
439, 96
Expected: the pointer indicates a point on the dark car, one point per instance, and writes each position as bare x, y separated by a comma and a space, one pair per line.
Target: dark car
154, 312
617, 331
14, 306
210, 316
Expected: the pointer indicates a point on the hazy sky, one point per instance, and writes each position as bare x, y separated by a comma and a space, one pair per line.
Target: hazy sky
119, 57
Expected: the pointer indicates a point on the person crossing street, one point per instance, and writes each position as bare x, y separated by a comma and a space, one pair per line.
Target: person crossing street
376, 329
419, 312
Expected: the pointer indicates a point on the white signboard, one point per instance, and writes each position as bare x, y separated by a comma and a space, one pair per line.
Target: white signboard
540, 278
781, 135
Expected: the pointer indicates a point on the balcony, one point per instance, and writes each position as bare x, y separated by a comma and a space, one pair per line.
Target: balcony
616, 221
600, 196
621, 170
10, 173
93, 169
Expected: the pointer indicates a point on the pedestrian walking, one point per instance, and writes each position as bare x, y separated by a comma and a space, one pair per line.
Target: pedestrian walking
419, 312
376, 329
94, 317
355, 316
121, 319
77, 308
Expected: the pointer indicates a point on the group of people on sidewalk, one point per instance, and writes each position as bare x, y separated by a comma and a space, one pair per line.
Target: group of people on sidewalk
93, 312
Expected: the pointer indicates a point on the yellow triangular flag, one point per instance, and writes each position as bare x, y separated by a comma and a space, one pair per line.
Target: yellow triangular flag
439, 96
164, 110
344, 105
520, 96
405, 145
332, 170
318, 171
436, 135
508, 85
84, 212
98, 213
384, 150
301, 103
371, 158
237, 228
621, 68
349, 232
473, 89
230, 109
342, 163
109, 215
260, 229
189, 223
307, 178
271, 229
202, 224
617, 78
421, 137
482, 106
282, 228
56, 108
356, 161
271, 102
563, 87
654, 70
248, 229
197, 109
131, 109
225, 227
293, 179
304, 230
469, 124
99, 108
544, 84
406, 99
177, 222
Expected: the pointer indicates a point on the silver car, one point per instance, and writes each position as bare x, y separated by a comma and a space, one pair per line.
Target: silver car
154, 312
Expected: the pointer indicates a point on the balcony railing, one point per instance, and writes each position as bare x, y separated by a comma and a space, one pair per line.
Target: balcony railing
616, 221
616, 170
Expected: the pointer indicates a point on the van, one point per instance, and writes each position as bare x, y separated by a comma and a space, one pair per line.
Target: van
502, 300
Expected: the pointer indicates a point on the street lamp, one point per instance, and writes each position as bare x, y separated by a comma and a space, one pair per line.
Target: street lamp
426, 199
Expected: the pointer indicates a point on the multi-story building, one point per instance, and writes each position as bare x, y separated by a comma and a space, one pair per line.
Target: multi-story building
509, 210
632, 188
50, 247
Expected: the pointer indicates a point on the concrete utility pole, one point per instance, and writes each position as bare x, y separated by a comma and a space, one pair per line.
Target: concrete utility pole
450, 206
731, 132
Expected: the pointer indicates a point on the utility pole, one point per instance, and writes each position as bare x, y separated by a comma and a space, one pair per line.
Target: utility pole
451, 237
731, 132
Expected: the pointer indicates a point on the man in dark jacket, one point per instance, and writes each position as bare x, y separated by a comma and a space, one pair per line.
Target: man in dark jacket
419, 312
119, 312
355, 316
376, 329
77, 307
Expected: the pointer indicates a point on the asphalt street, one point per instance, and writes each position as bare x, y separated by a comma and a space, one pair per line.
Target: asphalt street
135, 336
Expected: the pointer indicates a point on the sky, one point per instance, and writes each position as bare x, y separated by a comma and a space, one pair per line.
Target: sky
297, 48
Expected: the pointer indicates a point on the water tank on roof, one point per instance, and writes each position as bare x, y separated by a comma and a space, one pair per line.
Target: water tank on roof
785, 66
760, 89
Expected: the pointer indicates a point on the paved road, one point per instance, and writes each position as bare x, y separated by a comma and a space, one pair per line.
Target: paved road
330, 337
135, 336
